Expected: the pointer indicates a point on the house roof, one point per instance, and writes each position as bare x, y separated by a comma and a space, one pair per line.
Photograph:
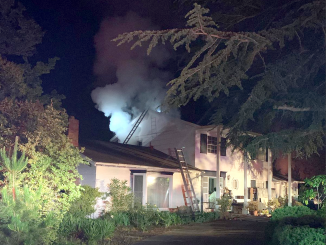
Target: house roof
279, 177
111, 152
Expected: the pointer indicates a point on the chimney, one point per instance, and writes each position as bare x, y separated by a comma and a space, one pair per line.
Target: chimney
73, 130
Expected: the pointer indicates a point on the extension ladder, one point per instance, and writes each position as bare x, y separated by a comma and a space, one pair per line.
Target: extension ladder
188, 189
139, 120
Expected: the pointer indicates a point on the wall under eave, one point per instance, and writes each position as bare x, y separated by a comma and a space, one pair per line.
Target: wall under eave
232, 164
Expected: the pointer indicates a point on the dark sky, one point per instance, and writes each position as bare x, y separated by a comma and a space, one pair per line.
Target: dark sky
70, 29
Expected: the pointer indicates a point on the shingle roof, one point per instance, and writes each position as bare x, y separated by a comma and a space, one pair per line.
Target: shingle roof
110, 152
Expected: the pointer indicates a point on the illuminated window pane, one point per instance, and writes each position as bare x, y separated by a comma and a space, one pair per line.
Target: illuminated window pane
158, 191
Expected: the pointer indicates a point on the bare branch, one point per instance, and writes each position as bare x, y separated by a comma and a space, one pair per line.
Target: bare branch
295, 109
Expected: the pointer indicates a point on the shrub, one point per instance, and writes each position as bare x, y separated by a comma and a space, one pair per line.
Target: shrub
273, 204
121, 197
322, 212
253, 206
296, 211
289, 235
312, 221
120, 219
86, 202
143, 217
283, 201
206, 217
86, 229
23, 222
299, 216
168, 219
225, 203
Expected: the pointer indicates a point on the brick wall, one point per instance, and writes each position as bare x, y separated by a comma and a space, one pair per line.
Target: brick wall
73, 130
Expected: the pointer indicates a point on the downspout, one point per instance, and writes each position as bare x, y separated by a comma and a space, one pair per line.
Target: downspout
289, 180
202, 191
245, 183
218, 135
269, 174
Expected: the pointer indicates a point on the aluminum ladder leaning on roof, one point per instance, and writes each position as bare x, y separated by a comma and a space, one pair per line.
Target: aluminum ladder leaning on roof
139, 120
191, 195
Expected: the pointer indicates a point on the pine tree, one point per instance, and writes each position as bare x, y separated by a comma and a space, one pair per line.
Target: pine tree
13, 165
273, 77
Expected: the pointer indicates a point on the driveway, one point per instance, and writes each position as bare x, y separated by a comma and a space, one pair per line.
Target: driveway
244, 231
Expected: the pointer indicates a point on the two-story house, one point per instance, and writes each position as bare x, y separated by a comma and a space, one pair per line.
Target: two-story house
154, 142
247, 180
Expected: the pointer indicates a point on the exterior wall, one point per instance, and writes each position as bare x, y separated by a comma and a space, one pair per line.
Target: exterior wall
178, 199
176, 136
232, 164
281, 189
165, 134
102, 175
177, 196
88, 173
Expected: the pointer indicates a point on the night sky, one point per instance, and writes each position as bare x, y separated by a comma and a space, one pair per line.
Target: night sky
70, 28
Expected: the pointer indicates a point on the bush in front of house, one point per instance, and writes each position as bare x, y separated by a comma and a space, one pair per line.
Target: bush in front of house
22, 221
296, 211
85, 204
206, 217
288, 223
121, 197
322, 212
82, 229
299, 235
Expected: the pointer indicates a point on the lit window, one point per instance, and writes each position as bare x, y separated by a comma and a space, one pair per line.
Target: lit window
212, 144
158, 191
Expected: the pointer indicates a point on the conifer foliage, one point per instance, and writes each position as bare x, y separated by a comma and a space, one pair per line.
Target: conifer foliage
272, 75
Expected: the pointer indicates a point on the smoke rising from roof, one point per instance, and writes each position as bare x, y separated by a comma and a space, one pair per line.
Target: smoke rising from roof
129, 80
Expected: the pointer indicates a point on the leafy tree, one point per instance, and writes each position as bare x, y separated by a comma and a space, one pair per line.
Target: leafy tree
37, 119
19, 34
315, 188
268, 78
19, 37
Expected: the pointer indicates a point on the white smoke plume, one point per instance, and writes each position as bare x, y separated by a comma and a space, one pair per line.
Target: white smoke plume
134, 81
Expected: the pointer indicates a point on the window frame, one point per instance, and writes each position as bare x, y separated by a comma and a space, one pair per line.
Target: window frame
144, 199
212, 144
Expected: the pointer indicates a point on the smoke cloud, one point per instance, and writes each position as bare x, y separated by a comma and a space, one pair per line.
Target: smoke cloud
129, 80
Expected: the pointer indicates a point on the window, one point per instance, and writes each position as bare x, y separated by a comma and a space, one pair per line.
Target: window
212, 185
262, 155
221, 183
203, 143
212, 144
209, 144
253, 183
138, 188
235, 184
158, 192
223, 146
